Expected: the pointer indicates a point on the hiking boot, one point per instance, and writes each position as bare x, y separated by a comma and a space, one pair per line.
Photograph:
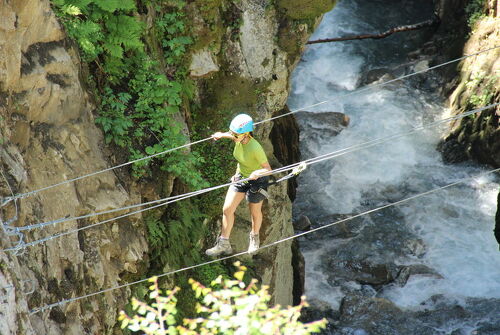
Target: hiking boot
222, 247
254, 243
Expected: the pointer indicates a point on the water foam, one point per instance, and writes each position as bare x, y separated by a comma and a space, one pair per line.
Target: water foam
455, 225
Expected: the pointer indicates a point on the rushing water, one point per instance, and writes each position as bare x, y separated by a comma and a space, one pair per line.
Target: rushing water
454, 224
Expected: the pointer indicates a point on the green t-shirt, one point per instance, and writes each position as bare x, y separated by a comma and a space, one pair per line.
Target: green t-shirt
250, 157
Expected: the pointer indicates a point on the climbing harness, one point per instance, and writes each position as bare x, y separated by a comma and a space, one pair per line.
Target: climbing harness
295, 172
257, 188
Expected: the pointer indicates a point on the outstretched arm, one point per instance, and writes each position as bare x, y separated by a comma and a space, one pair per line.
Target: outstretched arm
218, 135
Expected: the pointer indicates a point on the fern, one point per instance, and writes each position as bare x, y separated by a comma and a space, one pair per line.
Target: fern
75, 3
88, 34
139, 104
124, 30
113, 5
157, 233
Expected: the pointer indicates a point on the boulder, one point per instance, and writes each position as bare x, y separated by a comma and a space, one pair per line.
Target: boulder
302, 223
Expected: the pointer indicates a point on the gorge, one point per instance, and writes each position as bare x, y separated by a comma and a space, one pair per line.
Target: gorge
428, 267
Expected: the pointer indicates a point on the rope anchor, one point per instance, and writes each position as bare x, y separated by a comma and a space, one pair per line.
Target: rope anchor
298, 169
295, 172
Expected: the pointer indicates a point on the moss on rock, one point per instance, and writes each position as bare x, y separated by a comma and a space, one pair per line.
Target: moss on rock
306, 9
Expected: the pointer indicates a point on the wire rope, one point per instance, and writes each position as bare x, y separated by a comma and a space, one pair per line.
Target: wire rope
30, 193
313, 160
169, 200
382, 83
462, 180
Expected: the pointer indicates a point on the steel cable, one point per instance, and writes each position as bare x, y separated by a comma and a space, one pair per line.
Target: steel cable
30, 193
169, 200
462, 180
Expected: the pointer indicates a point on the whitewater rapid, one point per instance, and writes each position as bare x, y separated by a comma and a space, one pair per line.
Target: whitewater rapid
455, 224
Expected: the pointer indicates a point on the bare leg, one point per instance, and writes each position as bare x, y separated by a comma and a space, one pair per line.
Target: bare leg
232, 201
256, 213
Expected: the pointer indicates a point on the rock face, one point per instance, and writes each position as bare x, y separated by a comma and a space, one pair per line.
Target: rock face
256, 59
48, 135
477, 137
285, 138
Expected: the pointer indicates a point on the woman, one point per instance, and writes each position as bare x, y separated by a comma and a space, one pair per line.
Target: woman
252, 165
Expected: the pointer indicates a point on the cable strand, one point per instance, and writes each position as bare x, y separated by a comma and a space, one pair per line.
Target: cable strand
369, 87
30, 193
462, 180
169, 200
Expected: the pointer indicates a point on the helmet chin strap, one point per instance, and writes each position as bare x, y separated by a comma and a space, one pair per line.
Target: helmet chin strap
246, 138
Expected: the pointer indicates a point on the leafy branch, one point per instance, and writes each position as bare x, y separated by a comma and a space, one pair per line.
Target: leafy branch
228, 306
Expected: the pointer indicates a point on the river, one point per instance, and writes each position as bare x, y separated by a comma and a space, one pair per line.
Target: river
443, 241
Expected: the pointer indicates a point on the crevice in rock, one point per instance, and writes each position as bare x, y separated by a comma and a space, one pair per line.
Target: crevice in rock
38, 54
285, 139
59, 79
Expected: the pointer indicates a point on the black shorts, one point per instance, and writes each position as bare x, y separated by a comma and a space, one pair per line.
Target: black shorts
255, 190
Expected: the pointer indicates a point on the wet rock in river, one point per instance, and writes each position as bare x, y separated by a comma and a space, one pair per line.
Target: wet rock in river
364, 272
369, 257
374, 75
461, 318
302, 223
320, 125
415, 269
376, 316
319, 309
339, 226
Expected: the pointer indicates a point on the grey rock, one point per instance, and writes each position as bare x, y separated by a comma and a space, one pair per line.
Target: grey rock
302, 223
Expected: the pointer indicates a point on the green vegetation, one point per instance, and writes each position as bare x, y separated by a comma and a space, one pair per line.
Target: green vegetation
475, 10
175, 238
104, 30
139, 98
483, 87
481, 100
227, 306
306, 10
135, 56
170, 29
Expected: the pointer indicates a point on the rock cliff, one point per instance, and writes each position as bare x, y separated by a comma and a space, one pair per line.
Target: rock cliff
241, 62
49, 135
478, 84
477, 137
